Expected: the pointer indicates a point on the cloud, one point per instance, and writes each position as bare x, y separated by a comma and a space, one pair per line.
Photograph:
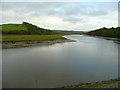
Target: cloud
62, 15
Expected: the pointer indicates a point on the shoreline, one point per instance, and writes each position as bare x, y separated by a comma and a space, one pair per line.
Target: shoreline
116, 40
21, 44
113, 83
107, 38
110, 38
7, 45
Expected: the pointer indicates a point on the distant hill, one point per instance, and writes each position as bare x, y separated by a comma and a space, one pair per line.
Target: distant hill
24, 28
106, 32
70, 32
28, 28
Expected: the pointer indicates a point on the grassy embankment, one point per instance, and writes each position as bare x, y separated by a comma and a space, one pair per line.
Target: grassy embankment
25, 38
17, 41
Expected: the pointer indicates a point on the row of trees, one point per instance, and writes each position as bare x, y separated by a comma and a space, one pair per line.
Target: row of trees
111, 32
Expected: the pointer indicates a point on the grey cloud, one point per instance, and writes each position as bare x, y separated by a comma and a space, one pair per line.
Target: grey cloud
72, 19
68, 11
58, 8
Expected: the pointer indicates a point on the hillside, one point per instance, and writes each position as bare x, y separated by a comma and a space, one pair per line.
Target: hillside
24, 28
13, 27
106, 32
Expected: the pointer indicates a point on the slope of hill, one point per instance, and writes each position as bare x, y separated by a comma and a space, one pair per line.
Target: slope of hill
24, 28
105, 32
13, 27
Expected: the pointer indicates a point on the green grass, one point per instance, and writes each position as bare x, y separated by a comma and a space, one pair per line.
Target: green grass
13, 27
25, 29
24, 38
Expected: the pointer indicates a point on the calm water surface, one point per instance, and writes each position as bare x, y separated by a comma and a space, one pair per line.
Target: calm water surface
88, 59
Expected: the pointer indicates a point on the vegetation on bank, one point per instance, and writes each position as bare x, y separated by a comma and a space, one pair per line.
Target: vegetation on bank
18, 41
25, 38
105, 32
101, 84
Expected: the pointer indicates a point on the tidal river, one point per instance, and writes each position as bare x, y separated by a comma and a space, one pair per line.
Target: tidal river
89, 59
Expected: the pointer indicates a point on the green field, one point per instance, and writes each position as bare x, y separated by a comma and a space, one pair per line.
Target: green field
13, 27
22, 38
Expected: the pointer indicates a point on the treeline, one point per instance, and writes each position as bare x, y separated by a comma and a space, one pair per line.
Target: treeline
70, 32
31, 29
105, 32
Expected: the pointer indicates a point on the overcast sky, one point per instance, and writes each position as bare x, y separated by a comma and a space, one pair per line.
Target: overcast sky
83, 16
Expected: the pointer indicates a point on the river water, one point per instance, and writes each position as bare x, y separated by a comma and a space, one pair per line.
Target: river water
89, 59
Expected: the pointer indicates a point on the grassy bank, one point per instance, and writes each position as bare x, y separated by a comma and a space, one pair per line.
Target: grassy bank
21, 38
17, 41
